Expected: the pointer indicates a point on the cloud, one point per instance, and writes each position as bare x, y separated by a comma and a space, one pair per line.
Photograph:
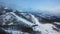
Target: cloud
55, 10
52, 10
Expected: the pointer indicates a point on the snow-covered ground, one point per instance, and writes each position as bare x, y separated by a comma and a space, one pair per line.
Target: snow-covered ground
42, 28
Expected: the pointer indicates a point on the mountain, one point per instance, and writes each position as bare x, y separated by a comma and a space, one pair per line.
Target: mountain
34, 22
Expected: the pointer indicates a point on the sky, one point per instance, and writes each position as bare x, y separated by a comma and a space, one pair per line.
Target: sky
52, 6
